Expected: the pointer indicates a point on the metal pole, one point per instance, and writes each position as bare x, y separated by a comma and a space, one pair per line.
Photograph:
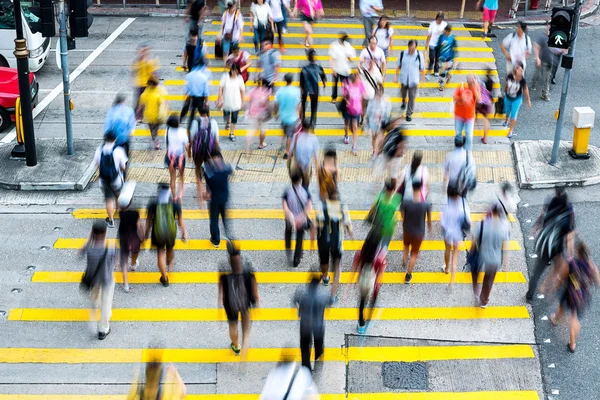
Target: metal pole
565, 88
64, 64
22, 55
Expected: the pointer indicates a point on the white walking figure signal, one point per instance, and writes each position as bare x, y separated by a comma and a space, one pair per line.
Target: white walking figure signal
558, 40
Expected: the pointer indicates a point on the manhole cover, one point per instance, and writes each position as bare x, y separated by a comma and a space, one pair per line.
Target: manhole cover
405, 375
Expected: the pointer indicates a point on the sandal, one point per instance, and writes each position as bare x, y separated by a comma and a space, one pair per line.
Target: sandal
346, 140
446, 270
571, 349
263, 146
355, 151
483, 140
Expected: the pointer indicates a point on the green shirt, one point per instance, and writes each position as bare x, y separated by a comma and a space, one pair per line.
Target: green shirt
387, 211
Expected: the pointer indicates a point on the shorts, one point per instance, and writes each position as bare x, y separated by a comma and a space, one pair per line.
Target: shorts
160, 245
485, 109
129, 244
327, 248
511, 106
289, 129
306, 18
178, 159
413, 241
352, 117
231, 316
109, 192
489, 15
233, 114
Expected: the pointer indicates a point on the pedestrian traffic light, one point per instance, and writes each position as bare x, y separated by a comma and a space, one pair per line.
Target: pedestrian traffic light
560, 27
47, 19
79, 19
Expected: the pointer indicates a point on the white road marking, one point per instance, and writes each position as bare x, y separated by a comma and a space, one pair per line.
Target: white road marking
58, 89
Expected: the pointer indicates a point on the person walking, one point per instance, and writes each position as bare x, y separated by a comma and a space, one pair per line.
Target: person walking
287, 107
465, 99
232, 28
98, 276
433, 34
155, 109
485, 105
445, 51
163, 216
341, 53
189, 50
178, 144
270, 62
310, 11
556, 61
310, 75
370, 10
516, 47
120, 120
216, 176
130, 236
329, 176
384, 34
112, 164
409, 72
489, 240
459, 169
387, 164
354, 91
515, 90
372, 69
232, 92
160, 381
242, 59
413, 172
489, 9
378, 114
382, 215
297, 208
289, 381
259, 112
414, 210
543, 63
238, 292
145, 66
261, 20
197, 83
278, 8
455, 222
196, 10
204, 141
311, 303
578, 276
304, 150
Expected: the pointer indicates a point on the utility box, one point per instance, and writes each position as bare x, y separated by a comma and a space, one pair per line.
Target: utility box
583, 121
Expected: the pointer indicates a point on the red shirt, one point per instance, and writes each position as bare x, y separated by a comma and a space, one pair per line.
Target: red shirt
464, 102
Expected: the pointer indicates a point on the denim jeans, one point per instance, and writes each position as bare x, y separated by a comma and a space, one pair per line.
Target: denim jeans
368, 23
467, 125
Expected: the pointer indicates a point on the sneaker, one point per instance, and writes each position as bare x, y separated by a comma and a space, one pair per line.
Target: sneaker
545, 97
346, 140
236, 349
407, 278
103, 335
110, 223
553, 81
232, 138
334, 299
285, 156
510, 134
284, 31
403, 106
126, 288
164, 281
326, 281
408, 118
436, 74
134, 267
216, 244
362, 329
505, 124
483, 305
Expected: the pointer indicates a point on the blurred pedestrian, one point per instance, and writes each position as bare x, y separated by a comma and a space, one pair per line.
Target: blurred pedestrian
216, 176
163, 215
242, 59
287, 107
378, 115
130, 235
556, 61
304, 150
515, 89
232, 28
289, 381
145, 66
197, 87
329, 176
414, 210
411, 71
311, 303
310, 75
310, 11
371, 69
178, 144
489, 8
189, 50
261, 20
370, 10
555, 231
120, 119
455, 222
543, 63
384, 34
465, 98
485, 105
490, 241
446, 50
504, 199
415, 172
270, 62
517, 48
195, 12
232, 94
153, 102
459, 170
160, 381
433, 33
278, 9
259, 113
353, 90
341, 53
382, 215
205, 140
390, 154
98, 276
112, 164
297, 208
578, 275
238, 292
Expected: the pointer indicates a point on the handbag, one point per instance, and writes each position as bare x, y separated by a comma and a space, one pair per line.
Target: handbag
292, 163
218, 49
473, 255
87, 281
466, 225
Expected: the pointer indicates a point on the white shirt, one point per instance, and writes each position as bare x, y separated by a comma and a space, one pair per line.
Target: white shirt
340, 53
261, 13
435, 30
383, 37
517, 47
279, 379
276, 7
421, 174
231, 25
377, 56
411, 67
232, 92
119, 157
455, 161
177, 139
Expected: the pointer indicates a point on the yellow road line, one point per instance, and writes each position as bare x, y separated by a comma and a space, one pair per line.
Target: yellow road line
181, 97
336, 114
275, 277
360, 36
396, 48
390, 60
357, 215
328, 70
270, 245
212, 356
266, 314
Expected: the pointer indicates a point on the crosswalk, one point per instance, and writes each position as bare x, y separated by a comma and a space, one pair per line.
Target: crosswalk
445, 326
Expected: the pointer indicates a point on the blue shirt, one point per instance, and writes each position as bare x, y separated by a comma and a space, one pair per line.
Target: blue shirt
268, 61
121, 120
491, 4
367, 11
196, 82
446, 46
288, 98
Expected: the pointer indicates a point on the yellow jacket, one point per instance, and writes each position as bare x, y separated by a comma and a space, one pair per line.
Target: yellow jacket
143, 70
172, 387
155, 105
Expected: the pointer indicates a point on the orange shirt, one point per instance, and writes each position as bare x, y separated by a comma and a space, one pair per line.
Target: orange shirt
464, 102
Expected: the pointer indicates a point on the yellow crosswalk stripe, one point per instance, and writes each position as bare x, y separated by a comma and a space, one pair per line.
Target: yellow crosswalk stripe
271, 245
390, 60
356, 46
389, 278
266, 314
212, 356
486, 395
361, 36
181, 97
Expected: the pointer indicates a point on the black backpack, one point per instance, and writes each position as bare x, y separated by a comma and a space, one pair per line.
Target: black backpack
108, 170
203, 143
238, 289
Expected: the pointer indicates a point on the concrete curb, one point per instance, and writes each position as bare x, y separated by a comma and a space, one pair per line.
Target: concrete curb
80, 185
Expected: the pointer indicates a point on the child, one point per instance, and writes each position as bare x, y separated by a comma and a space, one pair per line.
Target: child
446, 49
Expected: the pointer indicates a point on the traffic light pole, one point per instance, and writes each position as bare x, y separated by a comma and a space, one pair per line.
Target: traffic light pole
64, 62
565, 86
22, 56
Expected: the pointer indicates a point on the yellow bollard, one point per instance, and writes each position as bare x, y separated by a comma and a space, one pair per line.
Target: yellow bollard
583, 119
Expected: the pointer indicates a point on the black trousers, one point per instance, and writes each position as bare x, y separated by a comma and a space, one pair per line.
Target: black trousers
540, 268
433, 60
337, 78
314, 105
192, 104
299, 239
306, 339
215, 209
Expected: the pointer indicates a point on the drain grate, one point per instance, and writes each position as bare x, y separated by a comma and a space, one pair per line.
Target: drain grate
405, 375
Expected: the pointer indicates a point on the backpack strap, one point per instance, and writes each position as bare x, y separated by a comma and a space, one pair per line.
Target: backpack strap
289, 389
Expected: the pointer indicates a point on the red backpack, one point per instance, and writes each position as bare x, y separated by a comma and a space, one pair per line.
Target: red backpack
241, 63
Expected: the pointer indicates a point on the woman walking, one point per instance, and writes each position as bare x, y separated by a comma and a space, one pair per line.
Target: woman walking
261, 20
232, 92
515, 89
178, 145
130, 233
384, 34
310, 10
259, 112
232, 28
153, 104
435, 30
353, 91
465, 99
378, 115
485, 106
414, 210
415, 172
455, 220
279, 8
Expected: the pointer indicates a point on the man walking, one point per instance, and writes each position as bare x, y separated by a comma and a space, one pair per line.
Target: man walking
297, 207
216, 175
120, 119
305, 148
543, 62
516, 47
270, 62
370, 10
196, 88
341, 53
287, 105
411, 68
310, 75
